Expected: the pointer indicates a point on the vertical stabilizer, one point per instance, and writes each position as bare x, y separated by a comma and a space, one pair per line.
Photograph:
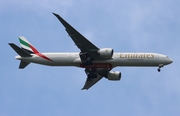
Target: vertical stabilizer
27, 46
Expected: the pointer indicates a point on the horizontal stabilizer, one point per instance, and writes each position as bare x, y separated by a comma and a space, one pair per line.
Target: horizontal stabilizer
23, 64
20, 51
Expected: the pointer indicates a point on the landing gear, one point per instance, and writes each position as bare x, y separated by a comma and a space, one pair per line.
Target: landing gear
160, 66
90, 73
86, 60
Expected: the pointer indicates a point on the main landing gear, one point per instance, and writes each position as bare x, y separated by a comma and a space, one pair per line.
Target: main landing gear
86, 60
90, 73
160, 66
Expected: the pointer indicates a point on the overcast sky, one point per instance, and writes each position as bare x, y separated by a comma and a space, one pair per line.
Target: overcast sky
124, 25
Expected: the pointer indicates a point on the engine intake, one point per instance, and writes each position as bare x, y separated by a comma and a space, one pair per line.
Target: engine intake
106, 52
114, 76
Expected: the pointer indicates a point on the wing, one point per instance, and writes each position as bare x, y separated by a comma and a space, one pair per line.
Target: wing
87, 54
93, 76
81, 42
91, 81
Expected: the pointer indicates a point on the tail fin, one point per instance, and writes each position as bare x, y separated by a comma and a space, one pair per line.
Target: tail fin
25, 51
27, 46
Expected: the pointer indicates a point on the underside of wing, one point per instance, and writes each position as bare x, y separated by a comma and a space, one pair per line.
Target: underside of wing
91, 81
94, 75
81, 42
89, 53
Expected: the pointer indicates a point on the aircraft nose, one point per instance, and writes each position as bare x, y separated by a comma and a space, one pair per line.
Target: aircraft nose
169, 60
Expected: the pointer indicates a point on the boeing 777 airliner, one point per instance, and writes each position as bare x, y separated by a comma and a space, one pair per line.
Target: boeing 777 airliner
97, 62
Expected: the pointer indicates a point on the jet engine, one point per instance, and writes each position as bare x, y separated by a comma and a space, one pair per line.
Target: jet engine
106, 52
114, 75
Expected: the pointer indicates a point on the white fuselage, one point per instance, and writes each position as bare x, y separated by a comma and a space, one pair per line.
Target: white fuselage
118, 59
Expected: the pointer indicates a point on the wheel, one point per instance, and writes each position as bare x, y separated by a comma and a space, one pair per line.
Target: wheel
159, 69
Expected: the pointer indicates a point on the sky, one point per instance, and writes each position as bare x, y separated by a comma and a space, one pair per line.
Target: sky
124, 25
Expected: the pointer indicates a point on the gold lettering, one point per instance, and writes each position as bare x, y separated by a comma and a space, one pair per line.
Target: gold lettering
147, 55
136, 56
141, 56
121, 56
144, 55
125, 55
152, 55
129, 56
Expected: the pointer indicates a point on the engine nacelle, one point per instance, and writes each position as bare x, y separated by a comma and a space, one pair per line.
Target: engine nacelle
114, 75
106, 52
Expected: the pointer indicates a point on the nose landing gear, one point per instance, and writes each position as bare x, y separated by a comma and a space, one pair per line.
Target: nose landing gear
160, 66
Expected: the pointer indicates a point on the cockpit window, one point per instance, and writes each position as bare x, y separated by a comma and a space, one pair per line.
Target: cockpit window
167, 57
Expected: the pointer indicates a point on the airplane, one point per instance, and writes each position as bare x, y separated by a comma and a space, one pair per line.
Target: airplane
97, 62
